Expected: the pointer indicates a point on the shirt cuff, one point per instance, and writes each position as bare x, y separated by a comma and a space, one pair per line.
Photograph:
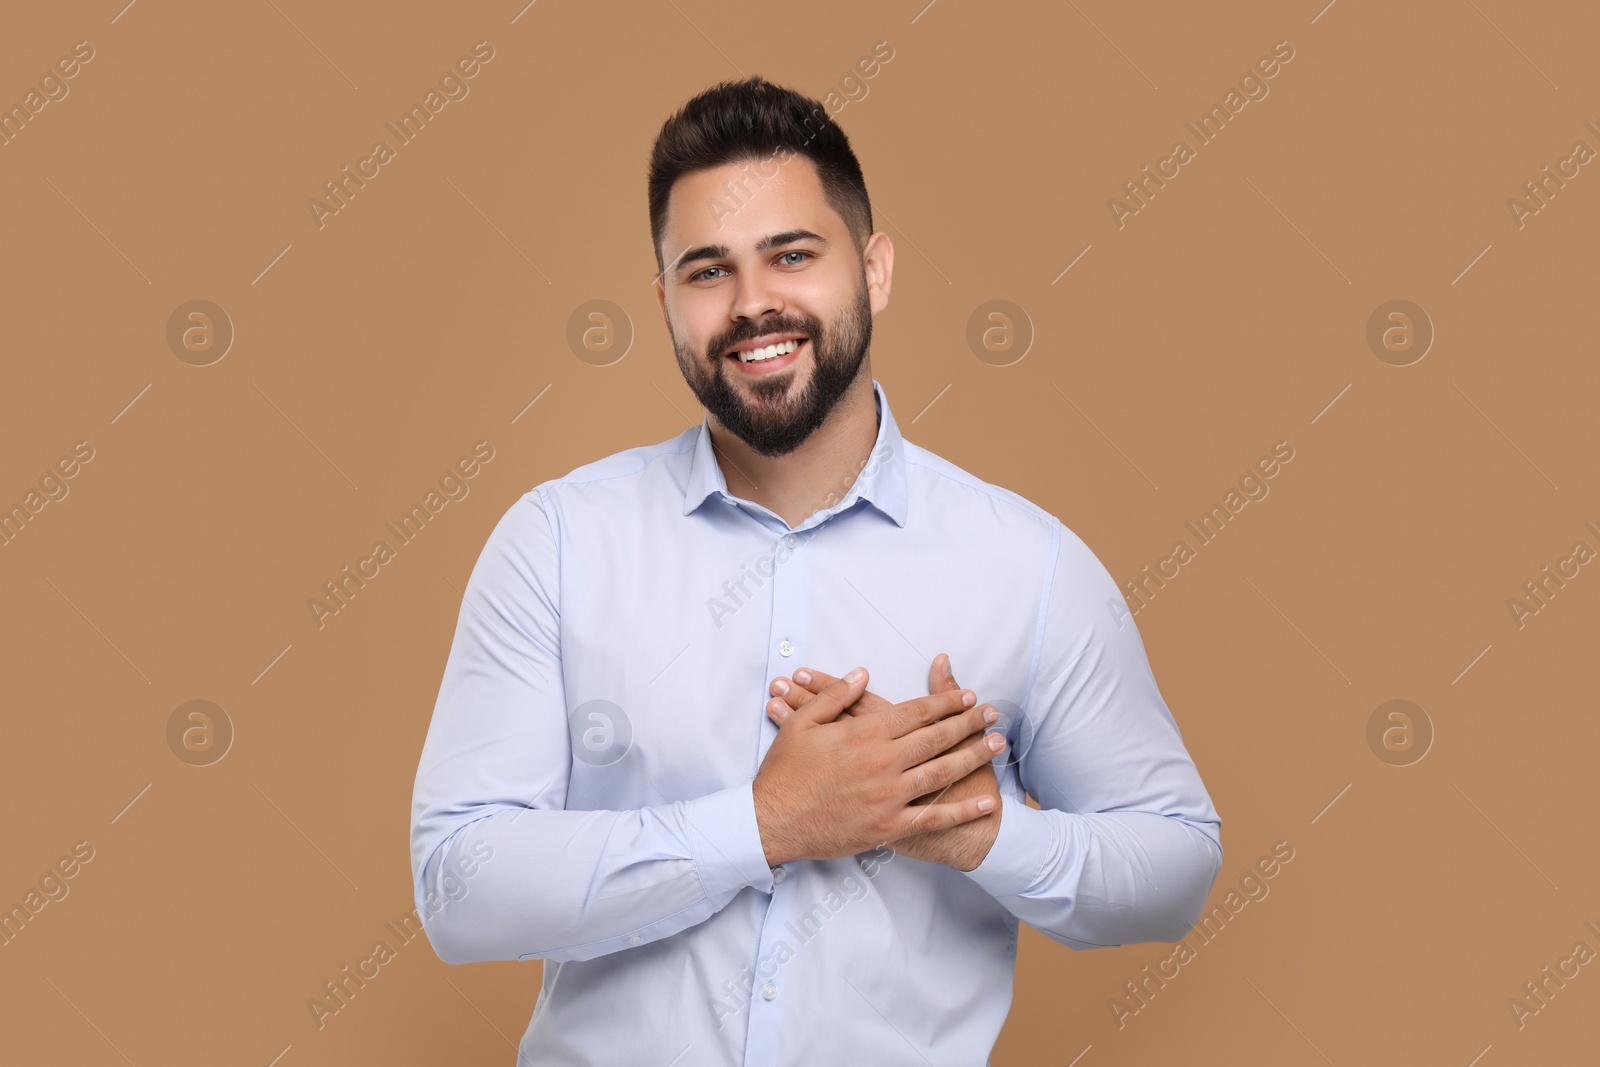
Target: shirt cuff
1027, 839
726, 841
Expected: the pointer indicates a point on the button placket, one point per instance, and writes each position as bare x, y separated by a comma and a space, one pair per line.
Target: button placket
787, 636
786, 640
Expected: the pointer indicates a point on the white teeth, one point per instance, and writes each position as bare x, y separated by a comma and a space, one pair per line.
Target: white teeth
756, 355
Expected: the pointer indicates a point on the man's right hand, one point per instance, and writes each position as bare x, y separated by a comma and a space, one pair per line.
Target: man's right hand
832, 787
962, 847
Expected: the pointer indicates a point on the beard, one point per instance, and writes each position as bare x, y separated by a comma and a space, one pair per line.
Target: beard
774, 423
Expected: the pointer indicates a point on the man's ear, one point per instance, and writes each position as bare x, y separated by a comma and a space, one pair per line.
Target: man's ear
877, 263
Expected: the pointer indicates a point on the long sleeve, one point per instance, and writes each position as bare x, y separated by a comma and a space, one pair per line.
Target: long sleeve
501, 871
1126, 844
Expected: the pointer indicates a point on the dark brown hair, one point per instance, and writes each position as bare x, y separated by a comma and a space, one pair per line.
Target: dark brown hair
755, 120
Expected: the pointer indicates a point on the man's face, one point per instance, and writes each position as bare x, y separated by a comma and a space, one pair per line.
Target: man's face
729, 284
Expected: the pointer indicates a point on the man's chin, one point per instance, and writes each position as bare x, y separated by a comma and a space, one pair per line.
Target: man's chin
762, 424
776, 398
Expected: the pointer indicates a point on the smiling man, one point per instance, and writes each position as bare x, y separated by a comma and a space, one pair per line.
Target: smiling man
724, 853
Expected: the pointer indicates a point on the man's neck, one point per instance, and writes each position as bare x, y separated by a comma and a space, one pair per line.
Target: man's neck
797, 485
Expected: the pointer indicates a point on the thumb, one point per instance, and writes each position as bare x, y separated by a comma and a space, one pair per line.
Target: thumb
940, 677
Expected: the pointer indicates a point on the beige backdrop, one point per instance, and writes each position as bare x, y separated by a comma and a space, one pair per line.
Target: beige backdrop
232, 456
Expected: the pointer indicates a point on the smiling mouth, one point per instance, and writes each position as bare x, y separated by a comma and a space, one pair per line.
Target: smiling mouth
769, 352
770, 359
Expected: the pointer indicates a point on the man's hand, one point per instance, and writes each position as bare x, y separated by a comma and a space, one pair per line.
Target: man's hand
832, 786
962, 846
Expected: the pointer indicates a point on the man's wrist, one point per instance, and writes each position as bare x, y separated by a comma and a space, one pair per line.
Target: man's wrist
975, 840
963, 846
772, 846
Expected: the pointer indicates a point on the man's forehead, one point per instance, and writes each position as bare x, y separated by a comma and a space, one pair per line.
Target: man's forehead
741, 206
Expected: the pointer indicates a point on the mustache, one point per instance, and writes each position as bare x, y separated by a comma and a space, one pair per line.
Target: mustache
721, 346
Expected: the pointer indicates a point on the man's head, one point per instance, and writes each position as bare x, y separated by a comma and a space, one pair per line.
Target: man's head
761, 223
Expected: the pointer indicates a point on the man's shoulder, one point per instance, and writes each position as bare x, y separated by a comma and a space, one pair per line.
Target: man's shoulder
993, 514
666, 460
1010, 513
941, 478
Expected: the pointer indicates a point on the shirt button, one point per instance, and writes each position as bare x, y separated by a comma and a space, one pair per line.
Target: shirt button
634, 940
769, 991
791, 540
779, 874
786, 649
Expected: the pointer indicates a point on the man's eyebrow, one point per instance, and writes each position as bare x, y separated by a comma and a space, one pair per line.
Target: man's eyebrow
768, 242
789, 237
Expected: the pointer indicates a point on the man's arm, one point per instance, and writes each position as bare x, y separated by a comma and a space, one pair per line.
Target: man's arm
500, 870
1126, 844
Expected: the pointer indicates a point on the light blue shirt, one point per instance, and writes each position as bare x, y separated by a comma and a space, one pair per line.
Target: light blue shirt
584, 793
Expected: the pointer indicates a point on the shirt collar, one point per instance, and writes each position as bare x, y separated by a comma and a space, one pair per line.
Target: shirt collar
881, 482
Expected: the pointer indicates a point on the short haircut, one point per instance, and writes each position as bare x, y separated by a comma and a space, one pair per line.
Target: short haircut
752, 120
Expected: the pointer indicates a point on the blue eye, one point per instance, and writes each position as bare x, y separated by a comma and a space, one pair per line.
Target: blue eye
706, 274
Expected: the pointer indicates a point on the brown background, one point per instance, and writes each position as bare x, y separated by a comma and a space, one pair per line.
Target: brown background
371, 353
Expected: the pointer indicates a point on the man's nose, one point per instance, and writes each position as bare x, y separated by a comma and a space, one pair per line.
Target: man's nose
756, 297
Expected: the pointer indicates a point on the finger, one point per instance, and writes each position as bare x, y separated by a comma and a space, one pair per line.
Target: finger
779, 710
940, 677
792, 696
975, 743
934, 774
826, 705
934, 798
915, 714
942, 737
787, 687
792, 693
786, 697
942, 815
813, 679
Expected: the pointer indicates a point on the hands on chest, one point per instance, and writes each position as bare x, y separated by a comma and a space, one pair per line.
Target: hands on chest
850, 771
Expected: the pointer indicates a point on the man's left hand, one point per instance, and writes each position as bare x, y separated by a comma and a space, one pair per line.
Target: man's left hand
962, 847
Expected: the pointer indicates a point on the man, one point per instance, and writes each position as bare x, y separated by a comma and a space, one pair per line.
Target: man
606, 785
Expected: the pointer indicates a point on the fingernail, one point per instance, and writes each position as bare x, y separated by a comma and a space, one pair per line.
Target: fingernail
968, 699
803, 677
856, 675
986, 803
780, 687
948, 672
991, 716
997, 742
